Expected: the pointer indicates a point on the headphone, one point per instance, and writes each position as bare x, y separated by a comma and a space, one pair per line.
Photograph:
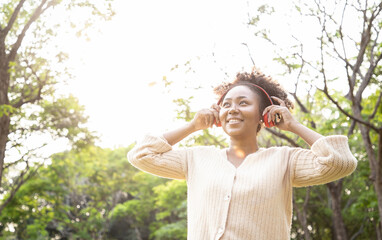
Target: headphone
265, 117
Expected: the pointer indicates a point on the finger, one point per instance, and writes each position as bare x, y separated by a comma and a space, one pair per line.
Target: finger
277, 118
210, 120
267, 109
272, 114
216, 107
281, 102
216, 116
216, 111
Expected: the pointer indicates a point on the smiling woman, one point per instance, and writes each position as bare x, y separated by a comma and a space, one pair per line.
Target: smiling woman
243, 191
252, 81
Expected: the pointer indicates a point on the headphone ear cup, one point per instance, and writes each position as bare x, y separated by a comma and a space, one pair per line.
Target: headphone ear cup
266, 123
265, 120
217, 124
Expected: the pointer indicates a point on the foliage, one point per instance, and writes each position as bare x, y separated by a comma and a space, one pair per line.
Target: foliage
72, 197
171, 201
31, 68
341, 73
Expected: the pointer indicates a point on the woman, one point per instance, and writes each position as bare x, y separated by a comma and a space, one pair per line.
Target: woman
244, 192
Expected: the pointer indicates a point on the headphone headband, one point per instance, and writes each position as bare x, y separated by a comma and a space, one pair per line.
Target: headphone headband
252, 84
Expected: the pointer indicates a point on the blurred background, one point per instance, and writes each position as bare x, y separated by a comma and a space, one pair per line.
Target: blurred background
82, 81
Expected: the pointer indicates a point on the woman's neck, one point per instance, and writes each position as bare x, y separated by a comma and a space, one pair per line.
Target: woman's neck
241, 148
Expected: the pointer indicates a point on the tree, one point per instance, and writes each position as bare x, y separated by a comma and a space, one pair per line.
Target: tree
29, 75
73, 196
349, 54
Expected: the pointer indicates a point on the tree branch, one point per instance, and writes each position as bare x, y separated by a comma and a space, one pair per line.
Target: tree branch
365, 39
283, 136
13, 163
12, 20
373, 64
356, 69
214, 140
325, 91
30, 100
355, 235
366, 80
249, 53
374, 45
303, 108
299, 103
310, 64
41, 84
23, 156
379, 155
345, 59
376, 106
18, 183
307, 195
302, 64
302, 214
352, 127
36, 14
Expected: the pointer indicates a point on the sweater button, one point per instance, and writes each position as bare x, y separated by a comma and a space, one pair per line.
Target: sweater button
227, 197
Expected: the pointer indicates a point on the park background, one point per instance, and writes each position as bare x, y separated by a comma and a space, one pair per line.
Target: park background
82, 80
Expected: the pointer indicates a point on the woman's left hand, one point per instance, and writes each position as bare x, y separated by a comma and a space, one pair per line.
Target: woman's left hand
287, 121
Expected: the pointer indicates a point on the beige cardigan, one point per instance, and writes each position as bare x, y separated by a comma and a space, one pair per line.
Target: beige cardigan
253, 201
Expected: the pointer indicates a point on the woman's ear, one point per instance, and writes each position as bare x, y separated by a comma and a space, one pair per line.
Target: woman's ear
259, 127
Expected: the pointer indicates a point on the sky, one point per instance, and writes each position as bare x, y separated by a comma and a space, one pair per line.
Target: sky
118, 73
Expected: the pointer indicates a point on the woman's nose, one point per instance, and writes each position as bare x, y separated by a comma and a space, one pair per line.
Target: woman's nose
233, 109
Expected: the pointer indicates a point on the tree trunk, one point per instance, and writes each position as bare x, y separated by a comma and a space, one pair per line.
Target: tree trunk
138, 233
4, 130
378, 179
375, 165
378, 230
4, 120
301, 216
335, 189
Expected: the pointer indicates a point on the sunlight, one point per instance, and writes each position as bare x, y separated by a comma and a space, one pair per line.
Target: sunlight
239, 153
116, 70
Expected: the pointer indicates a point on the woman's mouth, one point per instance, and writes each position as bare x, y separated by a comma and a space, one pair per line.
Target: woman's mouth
234, 121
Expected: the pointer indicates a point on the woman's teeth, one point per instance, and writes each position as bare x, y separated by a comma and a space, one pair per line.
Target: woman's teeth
232, 121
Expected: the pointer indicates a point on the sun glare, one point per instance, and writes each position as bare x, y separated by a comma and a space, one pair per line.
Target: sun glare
119, 72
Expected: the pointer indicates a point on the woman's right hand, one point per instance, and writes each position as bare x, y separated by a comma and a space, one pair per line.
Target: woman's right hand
206, 118
203, 119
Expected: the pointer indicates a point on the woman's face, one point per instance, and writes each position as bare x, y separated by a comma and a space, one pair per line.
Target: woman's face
239, 113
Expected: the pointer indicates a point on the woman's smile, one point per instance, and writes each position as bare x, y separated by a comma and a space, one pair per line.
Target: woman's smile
233, 121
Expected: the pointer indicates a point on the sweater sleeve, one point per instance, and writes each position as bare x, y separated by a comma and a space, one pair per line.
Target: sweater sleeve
154, 155
329, 159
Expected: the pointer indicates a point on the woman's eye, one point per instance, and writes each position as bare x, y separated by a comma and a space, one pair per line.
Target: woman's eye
243, 103
226, 104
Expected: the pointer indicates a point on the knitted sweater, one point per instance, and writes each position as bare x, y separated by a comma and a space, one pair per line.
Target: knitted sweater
253, 201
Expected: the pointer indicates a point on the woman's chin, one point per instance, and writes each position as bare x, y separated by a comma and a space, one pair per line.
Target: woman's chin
234, 132
238, 132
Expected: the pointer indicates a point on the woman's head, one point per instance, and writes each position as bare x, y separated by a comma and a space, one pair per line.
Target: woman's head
253, 82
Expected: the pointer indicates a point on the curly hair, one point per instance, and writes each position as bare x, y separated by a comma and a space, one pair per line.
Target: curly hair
271, 86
